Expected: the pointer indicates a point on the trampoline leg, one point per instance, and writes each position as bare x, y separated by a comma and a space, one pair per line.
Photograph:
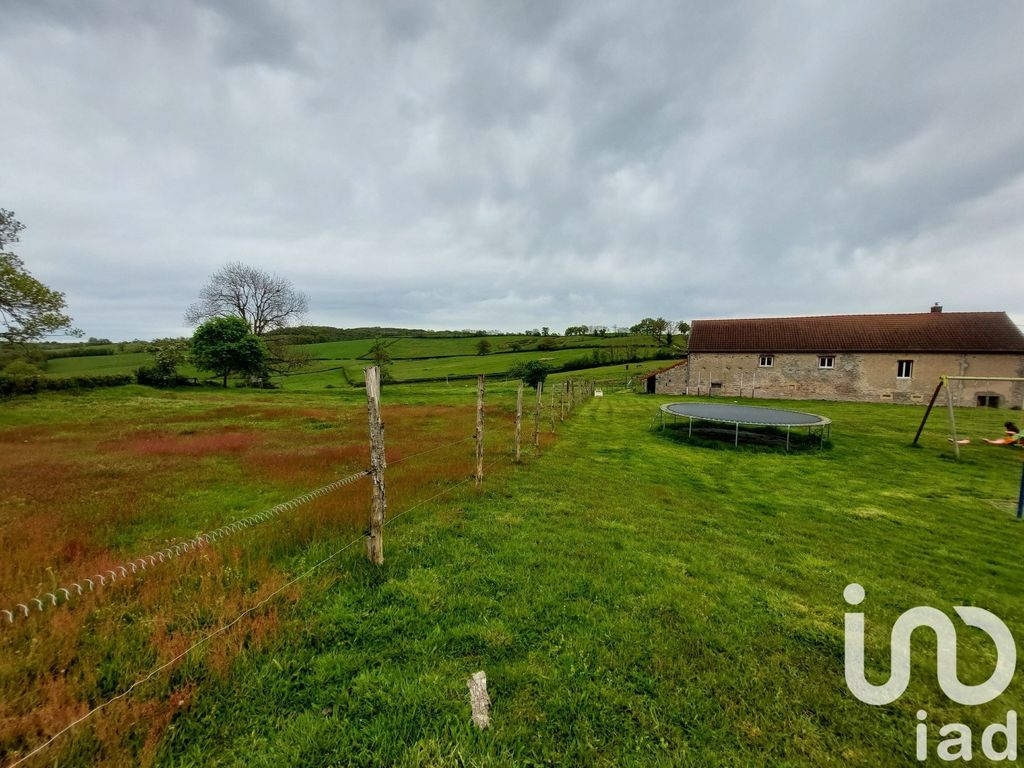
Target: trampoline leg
689, 432
736, 441
787, 439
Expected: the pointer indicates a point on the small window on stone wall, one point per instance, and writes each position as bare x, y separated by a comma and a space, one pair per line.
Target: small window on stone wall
988, 401
826, 361
904, 369
766, 361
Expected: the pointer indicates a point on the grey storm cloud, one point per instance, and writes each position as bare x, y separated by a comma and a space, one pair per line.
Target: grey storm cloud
512, 165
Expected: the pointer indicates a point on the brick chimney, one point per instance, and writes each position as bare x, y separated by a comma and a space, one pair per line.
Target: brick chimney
936, 308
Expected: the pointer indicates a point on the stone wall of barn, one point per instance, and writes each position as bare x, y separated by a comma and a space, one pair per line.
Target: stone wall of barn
672, 381
865, 377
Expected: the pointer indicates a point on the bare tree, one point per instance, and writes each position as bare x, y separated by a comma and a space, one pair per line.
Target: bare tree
266, 302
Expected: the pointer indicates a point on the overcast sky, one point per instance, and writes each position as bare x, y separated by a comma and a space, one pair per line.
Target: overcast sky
510, 165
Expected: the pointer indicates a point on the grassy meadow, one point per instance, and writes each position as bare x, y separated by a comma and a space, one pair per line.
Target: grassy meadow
414, 359
633, 600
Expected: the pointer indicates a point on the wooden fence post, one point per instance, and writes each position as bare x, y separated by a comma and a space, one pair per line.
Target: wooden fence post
519, 419
561, 403
479, 430
551, 409
536, 415
378, 463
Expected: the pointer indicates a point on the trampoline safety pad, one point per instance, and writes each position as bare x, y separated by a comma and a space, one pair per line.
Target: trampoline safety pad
747, 415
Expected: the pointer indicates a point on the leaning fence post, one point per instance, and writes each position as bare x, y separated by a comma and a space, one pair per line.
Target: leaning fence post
479, 430
378, 463
519, 419
536, 415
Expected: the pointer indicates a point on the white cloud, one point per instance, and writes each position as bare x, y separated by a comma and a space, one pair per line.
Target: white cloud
509, 166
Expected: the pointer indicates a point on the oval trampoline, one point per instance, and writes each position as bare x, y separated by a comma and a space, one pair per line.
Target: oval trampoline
775, 419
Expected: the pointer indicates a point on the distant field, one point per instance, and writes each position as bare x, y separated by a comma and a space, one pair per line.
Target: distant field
413, 358
101, 364
403, 347
324, 373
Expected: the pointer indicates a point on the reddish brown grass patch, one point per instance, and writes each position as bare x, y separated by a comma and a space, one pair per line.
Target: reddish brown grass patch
195, 445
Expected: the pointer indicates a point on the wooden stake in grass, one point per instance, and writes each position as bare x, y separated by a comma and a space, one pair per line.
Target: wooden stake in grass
479, 430
479, 701
378, 463
561, 403
519, 419
536, 415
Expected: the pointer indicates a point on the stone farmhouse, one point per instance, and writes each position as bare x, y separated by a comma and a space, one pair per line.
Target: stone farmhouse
896, 358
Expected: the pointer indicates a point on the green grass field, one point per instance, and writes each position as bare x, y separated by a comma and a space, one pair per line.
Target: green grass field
633, 600
415, 359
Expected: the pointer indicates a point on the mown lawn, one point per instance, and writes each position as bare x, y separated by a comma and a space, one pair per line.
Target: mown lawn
635, 601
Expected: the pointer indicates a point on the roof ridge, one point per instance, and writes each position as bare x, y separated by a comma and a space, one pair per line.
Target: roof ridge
861, 314
953, 332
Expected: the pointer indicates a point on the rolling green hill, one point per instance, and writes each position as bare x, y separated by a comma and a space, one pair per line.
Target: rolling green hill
438, 358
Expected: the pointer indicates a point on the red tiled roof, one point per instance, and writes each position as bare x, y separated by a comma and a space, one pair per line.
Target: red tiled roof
662, 370
959, 332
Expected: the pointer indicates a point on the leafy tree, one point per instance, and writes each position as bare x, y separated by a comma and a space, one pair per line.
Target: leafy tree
483, 347
168, 354
576, 330
683, 328
382, 359
532, 372
651, 326
264, 301
225, 345
28, 309
22, 369
643, 327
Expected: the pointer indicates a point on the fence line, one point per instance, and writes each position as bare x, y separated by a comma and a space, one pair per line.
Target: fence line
172, 661
202, 540
392, 463
449, 489
63, 595
225, 627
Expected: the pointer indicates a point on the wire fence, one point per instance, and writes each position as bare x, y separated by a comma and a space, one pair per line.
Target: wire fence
125, 571
64, 595
251, 609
